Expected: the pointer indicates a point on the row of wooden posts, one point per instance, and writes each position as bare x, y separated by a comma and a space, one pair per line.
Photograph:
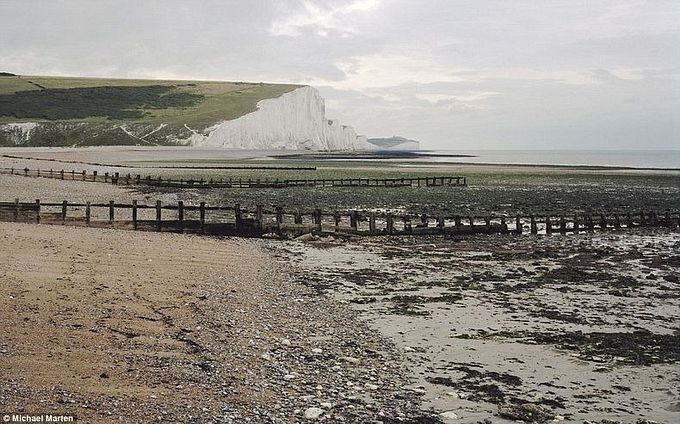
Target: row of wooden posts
117, 179
234, 220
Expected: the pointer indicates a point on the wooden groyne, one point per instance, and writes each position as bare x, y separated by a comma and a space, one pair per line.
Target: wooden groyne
117, 179
266, 222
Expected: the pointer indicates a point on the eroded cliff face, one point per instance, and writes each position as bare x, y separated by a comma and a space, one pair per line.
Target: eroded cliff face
295, 121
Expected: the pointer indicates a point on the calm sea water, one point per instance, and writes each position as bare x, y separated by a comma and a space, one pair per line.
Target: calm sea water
623, 158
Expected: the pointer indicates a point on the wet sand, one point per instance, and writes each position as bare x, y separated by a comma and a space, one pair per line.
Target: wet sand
581, 327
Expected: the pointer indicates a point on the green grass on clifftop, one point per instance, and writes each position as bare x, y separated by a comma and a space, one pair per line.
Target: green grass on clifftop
197, 103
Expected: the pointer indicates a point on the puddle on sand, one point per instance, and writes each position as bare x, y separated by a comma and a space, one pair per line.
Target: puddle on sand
583, 326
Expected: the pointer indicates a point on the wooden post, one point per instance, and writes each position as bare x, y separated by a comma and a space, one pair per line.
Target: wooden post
424, 220
180, 215
408, 229
106, 177
457, 221
94, 176
64, 206
548, 225
390, 223
487, 222
371, 223
518, 224
73, 174
84, 174
259, 216
353, 218
159, 222
576, 224
603, 221
38, 171
336, 217
16, 210
297, 217
134, 214
534, 227
440, 223
62, 174
111, 212
471, 219
37, 211
317, 220
617, 221
589, 222
87, 214
279, 215
629, 220
237, 215
115, 178
563, 225
504, 225
201, 210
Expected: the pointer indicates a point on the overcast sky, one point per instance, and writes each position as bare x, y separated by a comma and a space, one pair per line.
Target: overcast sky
453, 74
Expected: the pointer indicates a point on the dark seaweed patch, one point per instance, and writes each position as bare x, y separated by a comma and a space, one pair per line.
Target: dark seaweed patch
638, 347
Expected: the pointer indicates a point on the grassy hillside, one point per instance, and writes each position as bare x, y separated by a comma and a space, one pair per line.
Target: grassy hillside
95, 100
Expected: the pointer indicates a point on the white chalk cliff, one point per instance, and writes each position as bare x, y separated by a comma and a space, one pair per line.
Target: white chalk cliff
296, 120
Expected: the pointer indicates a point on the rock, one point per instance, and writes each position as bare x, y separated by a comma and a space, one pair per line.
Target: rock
104, 375
285, 342
313, 413
526, 412
350, 359
326, 405
449, 415
317, 350
305, 237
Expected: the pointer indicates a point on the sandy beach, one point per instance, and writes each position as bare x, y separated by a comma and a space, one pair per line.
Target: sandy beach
113, 325
125, 326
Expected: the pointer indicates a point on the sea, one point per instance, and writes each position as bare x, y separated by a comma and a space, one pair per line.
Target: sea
646, 159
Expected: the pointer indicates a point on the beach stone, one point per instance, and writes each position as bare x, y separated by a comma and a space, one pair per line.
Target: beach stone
305, 237
449, 415
313, 413
350, 359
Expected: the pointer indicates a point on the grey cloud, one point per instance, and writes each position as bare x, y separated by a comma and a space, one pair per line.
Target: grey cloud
458, 74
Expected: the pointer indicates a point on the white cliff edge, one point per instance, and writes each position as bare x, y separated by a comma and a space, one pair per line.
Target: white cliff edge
296, 121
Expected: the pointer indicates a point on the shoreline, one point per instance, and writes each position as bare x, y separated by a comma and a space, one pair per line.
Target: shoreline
128, 157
